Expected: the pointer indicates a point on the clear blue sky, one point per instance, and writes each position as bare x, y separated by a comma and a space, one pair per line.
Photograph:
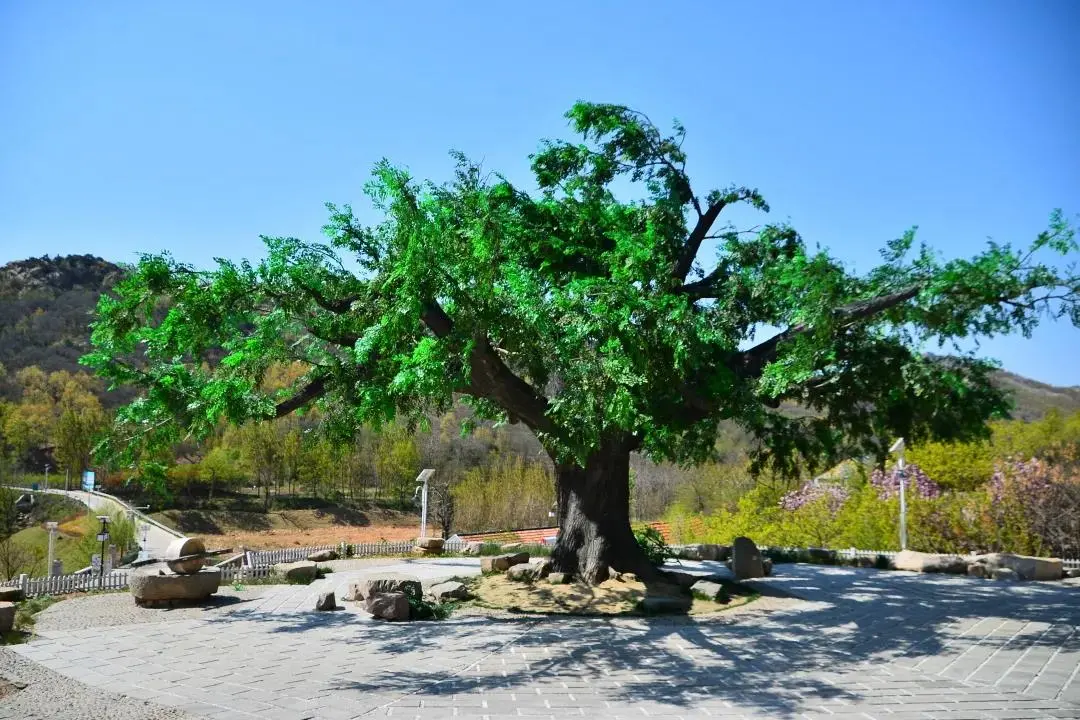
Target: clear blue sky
195, 127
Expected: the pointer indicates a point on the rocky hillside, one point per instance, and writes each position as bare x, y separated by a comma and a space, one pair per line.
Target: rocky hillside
45, 308
47, 303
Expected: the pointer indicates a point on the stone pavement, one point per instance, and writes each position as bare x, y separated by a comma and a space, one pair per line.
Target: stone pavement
867, 644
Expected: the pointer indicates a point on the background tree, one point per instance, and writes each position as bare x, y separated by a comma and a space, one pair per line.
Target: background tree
586, 317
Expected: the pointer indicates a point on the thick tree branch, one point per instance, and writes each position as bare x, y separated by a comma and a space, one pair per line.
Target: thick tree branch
754, 359
697, 236
313, 390
490, 378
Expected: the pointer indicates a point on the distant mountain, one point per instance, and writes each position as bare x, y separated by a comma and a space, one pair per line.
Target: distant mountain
46, 306
1034, 399
47, 303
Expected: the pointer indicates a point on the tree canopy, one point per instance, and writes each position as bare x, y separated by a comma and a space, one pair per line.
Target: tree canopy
582, 314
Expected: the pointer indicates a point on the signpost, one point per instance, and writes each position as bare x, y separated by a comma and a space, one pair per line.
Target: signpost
898, 448
88, 480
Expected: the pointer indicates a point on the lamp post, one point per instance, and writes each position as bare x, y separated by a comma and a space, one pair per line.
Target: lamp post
103, 537
898, 448
47, 466
422, 488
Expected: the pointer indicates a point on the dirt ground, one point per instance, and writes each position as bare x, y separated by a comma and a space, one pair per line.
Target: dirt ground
291, 528
278, 539
611, 597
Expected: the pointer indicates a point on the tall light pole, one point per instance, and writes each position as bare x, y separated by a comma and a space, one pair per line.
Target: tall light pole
422, 487
47, 466
898, 448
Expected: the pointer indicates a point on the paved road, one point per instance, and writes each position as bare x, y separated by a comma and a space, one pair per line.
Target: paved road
866, 644
152, 538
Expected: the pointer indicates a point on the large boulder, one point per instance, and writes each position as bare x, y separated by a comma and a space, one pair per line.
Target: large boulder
155, 586
930, 563
746, 559
976, 570
525, 572
1026, 567
388, 606
429, 545
326, 601
11, 594
372, 585
447, 591
502, 563
322, 556
472, 548
301, 571
7, 616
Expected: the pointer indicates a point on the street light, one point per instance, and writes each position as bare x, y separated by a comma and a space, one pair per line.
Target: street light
47, 466
898, 448
422, 487
103, 537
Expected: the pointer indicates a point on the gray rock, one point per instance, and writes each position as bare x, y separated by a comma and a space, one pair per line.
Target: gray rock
502, 563
429, 546
1072, 573
7, 616
323, 556
472, 548
766, 566
930, 563
710, 591
1004, 573
976, 570
558, 578
388, 606
11, 594
151, 585
378, 584
526, 572
511, 547
1027, 567
746, 559
682, 579
664, 604
446, 591
326, 601
301, 571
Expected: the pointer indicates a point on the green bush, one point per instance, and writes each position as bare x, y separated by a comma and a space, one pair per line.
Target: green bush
654, 546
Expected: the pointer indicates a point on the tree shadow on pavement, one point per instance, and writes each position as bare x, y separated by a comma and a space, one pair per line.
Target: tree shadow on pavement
779, 663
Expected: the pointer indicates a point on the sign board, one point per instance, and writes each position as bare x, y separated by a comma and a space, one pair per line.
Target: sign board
88, 480
102, 537
95, 563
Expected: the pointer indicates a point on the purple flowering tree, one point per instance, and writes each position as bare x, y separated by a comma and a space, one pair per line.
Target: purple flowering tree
917, 482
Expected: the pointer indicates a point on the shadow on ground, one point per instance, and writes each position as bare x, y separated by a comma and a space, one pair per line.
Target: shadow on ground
774, 663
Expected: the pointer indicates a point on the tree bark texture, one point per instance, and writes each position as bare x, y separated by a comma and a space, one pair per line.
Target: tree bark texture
594, 517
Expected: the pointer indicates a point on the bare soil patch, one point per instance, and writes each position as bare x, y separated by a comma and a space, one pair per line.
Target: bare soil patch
291, 528
611, 597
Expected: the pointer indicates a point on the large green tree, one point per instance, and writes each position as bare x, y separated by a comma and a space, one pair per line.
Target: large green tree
592, 319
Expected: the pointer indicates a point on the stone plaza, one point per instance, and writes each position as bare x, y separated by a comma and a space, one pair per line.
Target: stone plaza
861, 643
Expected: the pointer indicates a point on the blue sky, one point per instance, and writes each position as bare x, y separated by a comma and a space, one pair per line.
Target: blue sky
196, 127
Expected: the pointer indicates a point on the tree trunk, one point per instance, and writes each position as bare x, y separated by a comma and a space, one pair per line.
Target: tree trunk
594, 517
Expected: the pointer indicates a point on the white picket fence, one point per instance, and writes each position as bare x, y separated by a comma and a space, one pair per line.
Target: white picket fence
356, 550
58, 584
